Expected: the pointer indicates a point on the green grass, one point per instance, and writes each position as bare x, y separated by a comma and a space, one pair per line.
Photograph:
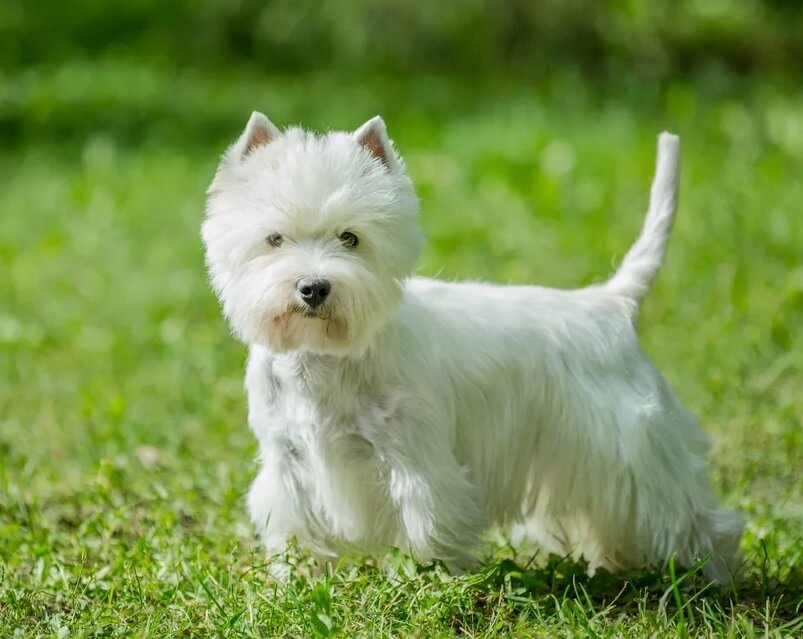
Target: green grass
124, 449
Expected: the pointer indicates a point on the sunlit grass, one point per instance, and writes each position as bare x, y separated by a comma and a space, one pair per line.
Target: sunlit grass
124, 450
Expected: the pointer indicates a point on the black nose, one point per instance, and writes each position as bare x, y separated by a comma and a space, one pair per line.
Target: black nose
313, 290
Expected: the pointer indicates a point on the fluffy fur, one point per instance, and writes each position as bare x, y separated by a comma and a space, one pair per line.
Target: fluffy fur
415, 413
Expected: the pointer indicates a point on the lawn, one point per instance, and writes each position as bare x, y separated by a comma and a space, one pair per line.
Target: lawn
124, 449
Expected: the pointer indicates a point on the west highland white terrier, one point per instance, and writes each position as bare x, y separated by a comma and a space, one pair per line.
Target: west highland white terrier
404, 411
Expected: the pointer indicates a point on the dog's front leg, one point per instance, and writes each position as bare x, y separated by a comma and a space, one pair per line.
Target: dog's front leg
276, 511
440, 509
281, 507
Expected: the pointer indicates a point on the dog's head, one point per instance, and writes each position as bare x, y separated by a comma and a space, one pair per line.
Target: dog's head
309, 237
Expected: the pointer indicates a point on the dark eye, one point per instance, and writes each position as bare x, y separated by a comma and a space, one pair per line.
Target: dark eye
274, 239
349, 239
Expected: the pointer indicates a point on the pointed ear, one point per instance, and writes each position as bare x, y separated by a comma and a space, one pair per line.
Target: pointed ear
258, 132
374, 136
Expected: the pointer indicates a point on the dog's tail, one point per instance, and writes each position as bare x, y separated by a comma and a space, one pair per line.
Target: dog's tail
635, 275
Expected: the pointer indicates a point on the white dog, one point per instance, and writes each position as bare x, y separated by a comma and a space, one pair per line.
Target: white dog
402, 411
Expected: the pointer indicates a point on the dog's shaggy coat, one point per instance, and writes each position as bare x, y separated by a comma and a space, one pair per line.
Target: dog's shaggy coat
412, 412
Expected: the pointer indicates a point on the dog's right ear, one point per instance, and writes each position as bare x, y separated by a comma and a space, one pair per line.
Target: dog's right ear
258, 132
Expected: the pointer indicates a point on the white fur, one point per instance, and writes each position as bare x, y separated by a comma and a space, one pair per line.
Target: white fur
416, 413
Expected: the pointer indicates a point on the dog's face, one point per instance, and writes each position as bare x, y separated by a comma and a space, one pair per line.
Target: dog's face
310, 237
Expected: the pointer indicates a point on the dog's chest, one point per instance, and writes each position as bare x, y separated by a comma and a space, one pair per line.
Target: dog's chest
323, 442
322, 403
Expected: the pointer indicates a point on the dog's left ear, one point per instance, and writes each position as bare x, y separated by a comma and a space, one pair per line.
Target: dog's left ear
374, 136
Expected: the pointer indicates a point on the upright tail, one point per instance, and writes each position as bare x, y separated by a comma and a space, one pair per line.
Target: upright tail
635, 275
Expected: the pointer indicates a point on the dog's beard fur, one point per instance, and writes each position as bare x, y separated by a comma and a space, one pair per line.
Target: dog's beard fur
297, 328
415, 413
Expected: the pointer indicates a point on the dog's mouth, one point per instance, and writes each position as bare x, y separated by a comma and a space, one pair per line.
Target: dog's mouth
320, 313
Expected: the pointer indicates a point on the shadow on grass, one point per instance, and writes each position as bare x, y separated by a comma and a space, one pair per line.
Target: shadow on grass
768, 594
506, 592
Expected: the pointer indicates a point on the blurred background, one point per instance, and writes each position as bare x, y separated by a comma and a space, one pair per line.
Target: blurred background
142, 69
529, 130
